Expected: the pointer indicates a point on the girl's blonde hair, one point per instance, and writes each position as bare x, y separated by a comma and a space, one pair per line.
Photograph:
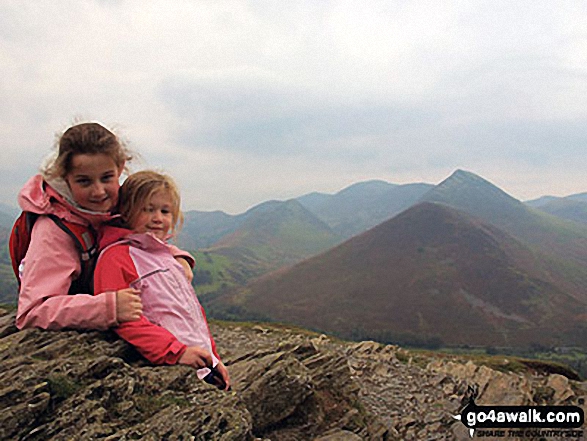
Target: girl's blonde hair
88, 138
137, 190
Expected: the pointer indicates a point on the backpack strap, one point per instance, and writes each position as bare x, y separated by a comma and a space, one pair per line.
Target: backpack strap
85, 240
84, 237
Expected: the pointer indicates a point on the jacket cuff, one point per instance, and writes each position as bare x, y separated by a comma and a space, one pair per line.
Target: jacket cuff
111, 308
176, 350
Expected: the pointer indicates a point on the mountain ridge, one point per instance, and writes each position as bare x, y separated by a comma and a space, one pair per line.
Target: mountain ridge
440, 259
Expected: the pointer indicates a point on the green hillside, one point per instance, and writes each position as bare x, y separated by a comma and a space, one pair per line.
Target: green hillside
276, 234
8, 283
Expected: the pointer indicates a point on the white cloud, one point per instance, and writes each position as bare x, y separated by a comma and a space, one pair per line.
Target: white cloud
247, 101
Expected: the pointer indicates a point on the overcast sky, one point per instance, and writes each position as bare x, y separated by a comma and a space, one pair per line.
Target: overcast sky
245, 101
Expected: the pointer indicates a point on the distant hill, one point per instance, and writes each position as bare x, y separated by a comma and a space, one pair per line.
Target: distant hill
201, 229
276, 233
317, 202
573, 207
578, 197
566, 208
244, 246
537, 203
8, 284
361, 206
8, 214
352, 210
233, 249
431, 273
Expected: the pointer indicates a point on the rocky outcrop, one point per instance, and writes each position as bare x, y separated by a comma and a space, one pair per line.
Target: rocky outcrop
287, 385
91, 385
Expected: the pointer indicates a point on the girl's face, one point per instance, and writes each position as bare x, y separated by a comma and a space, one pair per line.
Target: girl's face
93, 181
156, 216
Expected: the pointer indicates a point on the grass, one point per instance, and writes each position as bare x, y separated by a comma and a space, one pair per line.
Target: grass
149, 405
62, 387
272, 326
212, 272
10, 307
303, 240
8, 285
511, 360
571, 364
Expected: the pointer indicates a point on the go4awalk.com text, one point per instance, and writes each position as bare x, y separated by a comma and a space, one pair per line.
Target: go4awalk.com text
523, 421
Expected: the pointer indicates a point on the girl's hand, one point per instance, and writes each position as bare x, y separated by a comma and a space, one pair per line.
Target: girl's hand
221, 369
196, 357
187, 269
129, 306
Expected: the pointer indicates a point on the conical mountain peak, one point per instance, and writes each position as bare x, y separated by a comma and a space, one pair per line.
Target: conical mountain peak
464, 182
471, 193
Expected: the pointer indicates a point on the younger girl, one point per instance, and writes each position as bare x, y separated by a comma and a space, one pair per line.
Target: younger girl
79, 186
173, 328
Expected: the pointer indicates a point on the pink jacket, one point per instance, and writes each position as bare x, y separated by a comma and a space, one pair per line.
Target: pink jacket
52, 263
172, 316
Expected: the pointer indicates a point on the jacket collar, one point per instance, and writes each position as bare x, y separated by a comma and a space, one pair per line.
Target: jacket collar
54, 197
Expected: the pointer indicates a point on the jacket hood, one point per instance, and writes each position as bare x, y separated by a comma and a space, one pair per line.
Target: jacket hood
146, 241
54, 197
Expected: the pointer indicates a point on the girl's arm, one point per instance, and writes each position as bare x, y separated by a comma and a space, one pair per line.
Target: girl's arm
155, 343
180, 254
115, 270
187, 269
186, 260
50, 265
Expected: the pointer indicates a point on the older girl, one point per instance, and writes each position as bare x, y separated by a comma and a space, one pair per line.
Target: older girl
79, 186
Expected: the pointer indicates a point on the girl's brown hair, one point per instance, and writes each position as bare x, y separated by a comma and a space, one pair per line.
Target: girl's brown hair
137, 190
90, 139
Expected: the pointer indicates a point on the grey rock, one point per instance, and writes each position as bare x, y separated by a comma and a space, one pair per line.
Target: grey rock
339, 435
287, 385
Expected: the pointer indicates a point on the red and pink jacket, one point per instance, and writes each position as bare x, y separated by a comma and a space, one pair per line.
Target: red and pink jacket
173, 318
52, 263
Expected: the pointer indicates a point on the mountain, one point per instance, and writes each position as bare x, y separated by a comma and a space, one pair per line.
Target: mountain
573, 207
578, 197
277, 233
230, 250
361, 206
353, 193
351, 211
567, 208
8, 283
8, 215
432, 273
201, 229
537, 203
554, 256
474, 195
